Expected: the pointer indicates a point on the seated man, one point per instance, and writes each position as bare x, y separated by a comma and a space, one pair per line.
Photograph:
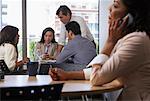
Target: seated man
79, 50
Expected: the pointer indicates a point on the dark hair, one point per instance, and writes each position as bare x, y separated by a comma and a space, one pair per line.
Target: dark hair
64, 9
140, 10
8, 35
74, 27
44, 32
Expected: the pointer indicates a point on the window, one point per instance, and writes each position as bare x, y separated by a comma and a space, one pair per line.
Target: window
11, 14
42, 14
103, 21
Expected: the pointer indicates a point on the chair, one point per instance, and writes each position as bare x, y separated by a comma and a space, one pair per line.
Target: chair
6, 71
3, 67
42, 92
44, 68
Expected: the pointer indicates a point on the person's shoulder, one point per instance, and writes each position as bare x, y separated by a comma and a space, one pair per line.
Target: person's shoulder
73, 42
83, 38
9, 46
80, 39
55, 44
136, 36
77, 18
39, 43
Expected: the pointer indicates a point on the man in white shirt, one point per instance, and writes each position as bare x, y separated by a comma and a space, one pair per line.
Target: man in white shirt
65, 15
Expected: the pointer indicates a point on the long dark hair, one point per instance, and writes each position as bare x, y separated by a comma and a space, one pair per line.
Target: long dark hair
44, 32
8, 35
140, 10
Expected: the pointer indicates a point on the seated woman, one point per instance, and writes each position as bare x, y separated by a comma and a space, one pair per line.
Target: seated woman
9, 38
125, 54
47, 46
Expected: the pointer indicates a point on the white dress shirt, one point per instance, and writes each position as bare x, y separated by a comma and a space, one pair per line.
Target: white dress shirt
85, 32
99, 59
9, 55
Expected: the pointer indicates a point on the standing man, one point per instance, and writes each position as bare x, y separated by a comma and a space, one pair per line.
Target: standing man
65, 15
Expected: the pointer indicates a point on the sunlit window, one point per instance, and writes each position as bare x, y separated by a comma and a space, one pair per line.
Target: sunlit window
103, 21
42, 14
11, 14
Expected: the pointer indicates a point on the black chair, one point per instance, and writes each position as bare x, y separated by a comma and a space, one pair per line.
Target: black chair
44, 68
3, 67
6, 71
42, 92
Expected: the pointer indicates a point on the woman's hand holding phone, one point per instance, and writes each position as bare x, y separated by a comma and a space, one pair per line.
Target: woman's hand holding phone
116, 29
130, 19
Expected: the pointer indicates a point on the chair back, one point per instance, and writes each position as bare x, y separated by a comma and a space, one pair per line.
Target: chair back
42, 92
44, 68
3, 67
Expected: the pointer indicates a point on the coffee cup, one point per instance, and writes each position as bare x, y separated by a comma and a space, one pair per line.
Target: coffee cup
32, 68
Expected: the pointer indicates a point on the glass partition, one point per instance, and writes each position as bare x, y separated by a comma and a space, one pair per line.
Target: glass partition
11, 14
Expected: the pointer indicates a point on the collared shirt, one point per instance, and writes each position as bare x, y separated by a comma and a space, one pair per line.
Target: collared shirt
80, 49
41, 49
99, 59
47, 48
9, 55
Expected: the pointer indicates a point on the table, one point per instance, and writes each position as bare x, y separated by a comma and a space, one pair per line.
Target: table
70, 88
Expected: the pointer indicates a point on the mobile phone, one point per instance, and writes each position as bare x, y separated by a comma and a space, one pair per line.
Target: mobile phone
130, 19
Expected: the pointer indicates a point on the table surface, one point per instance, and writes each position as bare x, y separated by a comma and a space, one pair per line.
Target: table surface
70, 88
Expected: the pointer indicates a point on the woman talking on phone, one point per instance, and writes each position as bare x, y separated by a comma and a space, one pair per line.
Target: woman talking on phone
125, 55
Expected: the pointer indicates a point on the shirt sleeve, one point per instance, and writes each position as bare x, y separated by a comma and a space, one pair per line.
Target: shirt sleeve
123, 61
66, 53
84, 29
62, 35
99, 59
10, 56
87, 73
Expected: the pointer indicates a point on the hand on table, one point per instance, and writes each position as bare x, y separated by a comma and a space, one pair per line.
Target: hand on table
57, 74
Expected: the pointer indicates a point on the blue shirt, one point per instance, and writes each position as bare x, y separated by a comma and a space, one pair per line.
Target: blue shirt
80, 50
